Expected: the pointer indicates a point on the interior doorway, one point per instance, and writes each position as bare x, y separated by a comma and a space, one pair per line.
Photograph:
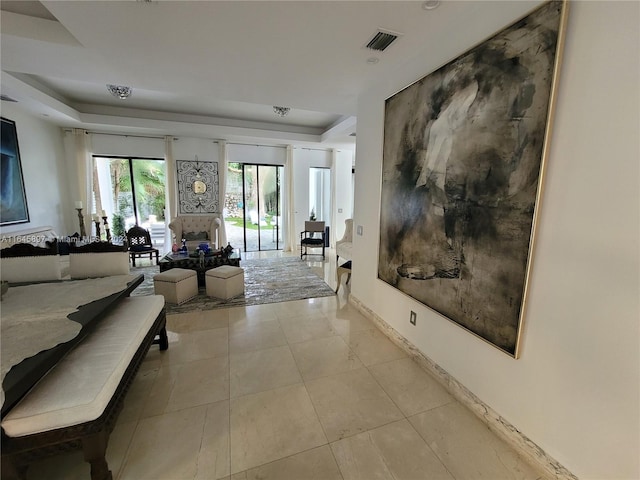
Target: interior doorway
253, 206
320, 194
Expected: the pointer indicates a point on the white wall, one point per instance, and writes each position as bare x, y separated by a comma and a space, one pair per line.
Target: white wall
43, 169
575, 389
206, 150
259, 154
130, 146
305, 158
187, 148
344, 190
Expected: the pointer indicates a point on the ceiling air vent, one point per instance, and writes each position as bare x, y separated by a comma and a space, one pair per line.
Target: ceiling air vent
7, 98
381, 40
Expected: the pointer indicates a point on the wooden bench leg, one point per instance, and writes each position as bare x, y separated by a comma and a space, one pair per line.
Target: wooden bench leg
164, 340
94, 448
11, 471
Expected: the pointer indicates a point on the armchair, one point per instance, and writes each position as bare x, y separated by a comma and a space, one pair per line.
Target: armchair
196, 229
345, 244
139, 241
313, 236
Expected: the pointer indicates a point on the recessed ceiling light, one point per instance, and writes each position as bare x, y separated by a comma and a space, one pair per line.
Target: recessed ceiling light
120, 91
430, 4
281, 111
372, 60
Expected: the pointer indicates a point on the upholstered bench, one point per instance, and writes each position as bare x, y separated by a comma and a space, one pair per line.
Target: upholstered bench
177, 285
75, 405
225, 282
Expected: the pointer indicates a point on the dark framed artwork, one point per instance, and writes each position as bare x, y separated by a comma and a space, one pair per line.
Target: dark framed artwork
198, 186
463, 159
13, 198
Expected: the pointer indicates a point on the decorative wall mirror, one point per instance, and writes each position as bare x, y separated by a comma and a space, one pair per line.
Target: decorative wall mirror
199, 187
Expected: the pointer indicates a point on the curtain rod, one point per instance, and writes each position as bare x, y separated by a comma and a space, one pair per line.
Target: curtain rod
213, 140
120, 134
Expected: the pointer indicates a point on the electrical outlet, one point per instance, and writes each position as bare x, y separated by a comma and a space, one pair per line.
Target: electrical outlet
412, 318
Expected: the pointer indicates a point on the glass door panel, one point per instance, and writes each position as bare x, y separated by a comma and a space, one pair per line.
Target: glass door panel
269, 207
251, 208
253, 216
149, 193
130, 192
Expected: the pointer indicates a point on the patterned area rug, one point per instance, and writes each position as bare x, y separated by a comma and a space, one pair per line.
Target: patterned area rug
266, 280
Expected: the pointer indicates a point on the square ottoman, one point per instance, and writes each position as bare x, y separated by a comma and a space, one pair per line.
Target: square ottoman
225, 282
177, 285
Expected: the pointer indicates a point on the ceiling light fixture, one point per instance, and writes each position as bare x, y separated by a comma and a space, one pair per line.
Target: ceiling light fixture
281, 111
119, 91
430, 4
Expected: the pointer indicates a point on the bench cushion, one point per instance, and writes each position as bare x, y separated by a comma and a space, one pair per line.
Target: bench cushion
80, 386
94, 265
344, 250
31, 269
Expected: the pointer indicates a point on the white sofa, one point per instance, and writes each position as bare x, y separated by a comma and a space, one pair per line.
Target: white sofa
32, 269
37, 236
77, 264
196, 229
344, 246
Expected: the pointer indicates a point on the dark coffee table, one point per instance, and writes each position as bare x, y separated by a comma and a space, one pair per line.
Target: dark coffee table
193, 262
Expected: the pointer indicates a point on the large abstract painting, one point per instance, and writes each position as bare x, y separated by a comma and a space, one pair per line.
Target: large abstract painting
197, 186
13, 199
462, 166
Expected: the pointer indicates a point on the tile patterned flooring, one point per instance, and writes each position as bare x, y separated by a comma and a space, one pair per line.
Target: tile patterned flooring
298, 390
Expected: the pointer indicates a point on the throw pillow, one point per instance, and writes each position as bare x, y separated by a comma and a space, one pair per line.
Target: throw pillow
190, 236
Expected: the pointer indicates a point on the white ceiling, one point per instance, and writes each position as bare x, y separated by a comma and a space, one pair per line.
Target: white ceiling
216, 68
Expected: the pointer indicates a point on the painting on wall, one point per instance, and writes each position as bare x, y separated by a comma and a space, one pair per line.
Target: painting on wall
463, 158
197, 187
13, 198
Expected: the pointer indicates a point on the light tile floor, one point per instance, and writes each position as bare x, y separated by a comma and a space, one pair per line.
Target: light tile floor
291, 391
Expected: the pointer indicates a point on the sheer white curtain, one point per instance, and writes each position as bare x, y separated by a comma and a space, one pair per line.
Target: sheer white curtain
289, 234
81, 162
170, 204
222, 191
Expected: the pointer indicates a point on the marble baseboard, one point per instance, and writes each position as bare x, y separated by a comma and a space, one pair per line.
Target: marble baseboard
520, 442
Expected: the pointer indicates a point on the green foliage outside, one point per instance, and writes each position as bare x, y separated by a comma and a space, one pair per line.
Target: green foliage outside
117, 225
239, 222
150, 185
